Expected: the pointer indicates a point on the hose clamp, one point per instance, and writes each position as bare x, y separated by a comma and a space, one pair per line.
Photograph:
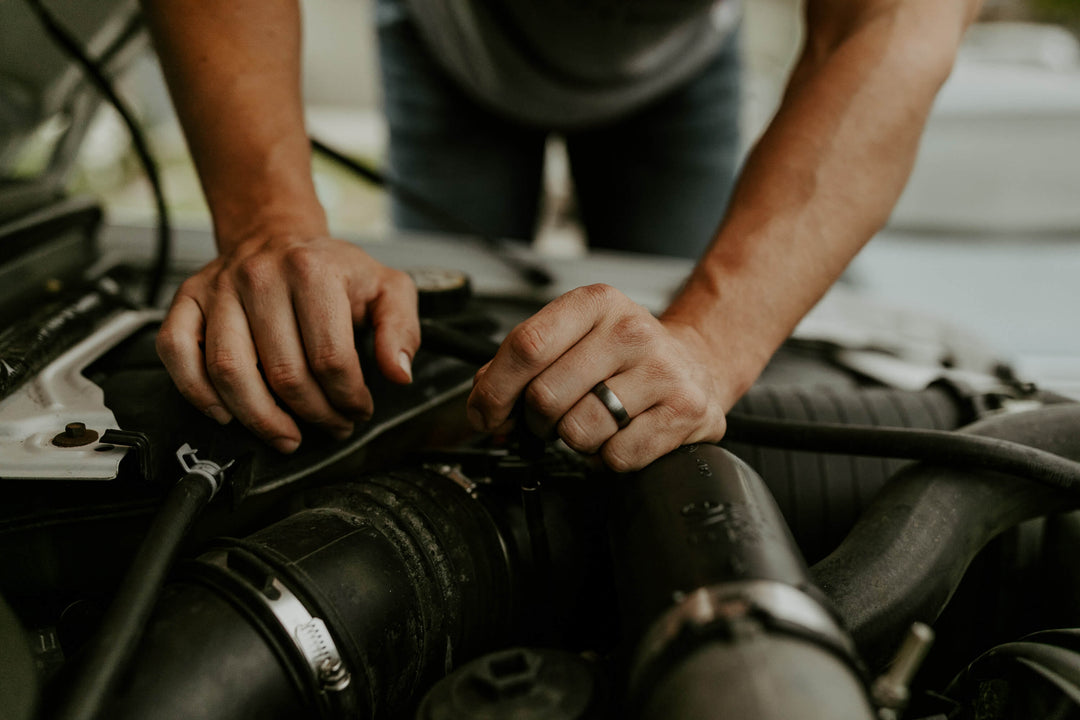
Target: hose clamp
309, 635
778, 606
213, 473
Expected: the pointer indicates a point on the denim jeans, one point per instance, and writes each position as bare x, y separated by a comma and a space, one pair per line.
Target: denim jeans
655, 181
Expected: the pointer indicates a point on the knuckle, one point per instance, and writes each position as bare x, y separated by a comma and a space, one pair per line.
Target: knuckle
332, 362
541, 397
255, 272
399, 282
285, 378
635, 329
576, 435
304, 262
191, 287
618, 459
600, 293
484, 396
687, 405
526, 342
224, 367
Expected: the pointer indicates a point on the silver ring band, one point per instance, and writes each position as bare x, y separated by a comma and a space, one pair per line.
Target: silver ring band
612, 403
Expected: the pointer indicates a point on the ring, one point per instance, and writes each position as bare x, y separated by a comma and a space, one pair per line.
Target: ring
612, 403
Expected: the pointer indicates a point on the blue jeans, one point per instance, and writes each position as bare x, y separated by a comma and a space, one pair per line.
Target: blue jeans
655, 181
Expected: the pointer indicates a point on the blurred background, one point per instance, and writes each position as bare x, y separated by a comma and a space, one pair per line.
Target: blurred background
985, 235
1013, 99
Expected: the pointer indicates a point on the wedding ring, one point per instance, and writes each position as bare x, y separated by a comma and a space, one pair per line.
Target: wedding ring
612, 403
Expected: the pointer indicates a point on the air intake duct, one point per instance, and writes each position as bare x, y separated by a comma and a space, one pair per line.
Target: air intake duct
347, 609
719, 601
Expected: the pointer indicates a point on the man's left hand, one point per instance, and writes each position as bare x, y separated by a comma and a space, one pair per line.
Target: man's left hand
663, 372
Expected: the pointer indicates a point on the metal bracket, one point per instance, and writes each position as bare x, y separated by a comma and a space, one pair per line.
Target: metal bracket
60, 394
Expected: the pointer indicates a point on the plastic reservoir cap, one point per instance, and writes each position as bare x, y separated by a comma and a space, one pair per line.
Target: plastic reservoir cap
519, 683
441, 291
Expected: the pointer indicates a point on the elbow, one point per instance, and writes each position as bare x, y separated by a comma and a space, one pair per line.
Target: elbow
915, 39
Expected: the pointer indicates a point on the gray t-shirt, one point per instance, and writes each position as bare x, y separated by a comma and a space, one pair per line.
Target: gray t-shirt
569, 64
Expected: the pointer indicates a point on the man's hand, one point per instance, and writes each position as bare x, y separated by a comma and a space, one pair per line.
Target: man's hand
663, 372
288, 305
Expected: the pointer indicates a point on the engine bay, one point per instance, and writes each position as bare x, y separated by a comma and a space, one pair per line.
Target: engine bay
419, 570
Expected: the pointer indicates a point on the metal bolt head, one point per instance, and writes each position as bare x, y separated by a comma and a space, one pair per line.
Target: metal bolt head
333, 675
75, 434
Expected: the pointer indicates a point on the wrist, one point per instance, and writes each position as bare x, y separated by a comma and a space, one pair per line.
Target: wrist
729, 364
233, 231
733, 326
263, 190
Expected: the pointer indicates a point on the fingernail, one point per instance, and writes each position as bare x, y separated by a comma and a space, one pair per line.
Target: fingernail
476, 419
342, 432
406, 363
285, 445
219, 414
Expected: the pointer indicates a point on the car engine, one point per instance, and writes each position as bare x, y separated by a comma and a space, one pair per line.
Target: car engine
855, 548
420, 570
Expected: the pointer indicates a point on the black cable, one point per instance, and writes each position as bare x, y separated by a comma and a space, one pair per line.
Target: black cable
122, 627
908, 443
1057, 665
534, 274
63, 38
930, 445
441, 338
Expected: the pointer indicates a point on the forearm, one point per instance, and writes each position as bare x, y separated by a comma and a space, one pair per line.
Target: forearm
823, 178
233, 69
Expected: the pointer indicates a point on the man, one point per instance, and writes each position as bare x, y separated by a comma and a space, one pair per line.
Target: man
284, 294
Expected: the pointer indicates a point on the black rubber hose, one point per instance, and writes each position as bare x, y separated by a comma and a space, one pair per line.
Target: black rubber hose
683, 522
908, 552
162, 254
408, 571
822, 494
1025, 679
119, 633
442, 338
708, 579
953, 448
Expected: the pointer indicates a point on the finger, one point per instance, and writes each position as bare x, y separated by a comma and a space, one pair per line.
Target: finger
179, 349
665, 426
589, 424
271, 317
231, 366
324, 314
531, 347
647, 437
558, 388
396, 323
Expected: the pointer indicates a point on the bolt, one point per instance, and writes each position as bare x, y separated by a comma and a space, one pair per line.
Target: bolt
75, 434
333, 675
891, 689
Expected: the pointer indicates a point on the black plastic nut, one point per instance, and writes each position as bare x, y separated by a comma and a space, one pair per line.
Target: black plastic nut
506, 674
519, 683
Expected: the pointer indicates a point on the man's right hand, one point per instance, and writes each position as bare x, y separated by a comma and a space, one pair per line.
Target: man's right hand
274, 316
